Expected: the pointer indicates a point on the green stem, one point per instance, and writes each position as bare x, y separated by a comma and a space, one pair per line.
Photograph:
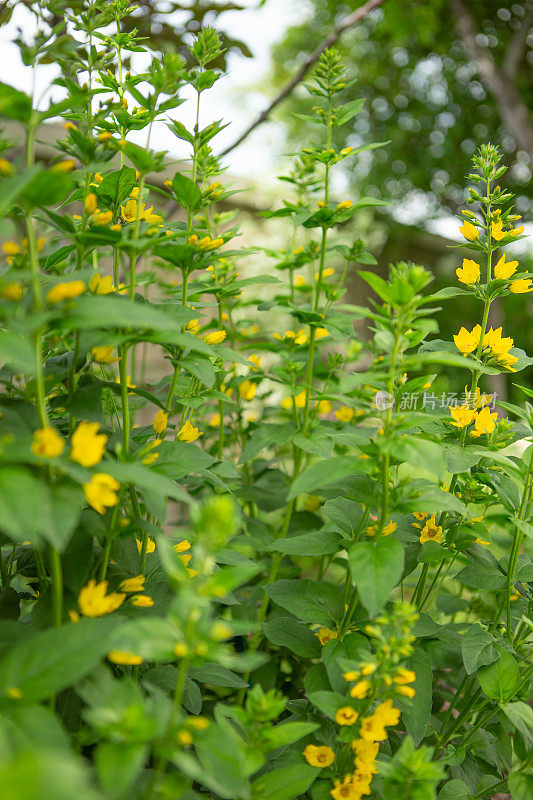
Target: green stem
57, 586
4, 574
123, 370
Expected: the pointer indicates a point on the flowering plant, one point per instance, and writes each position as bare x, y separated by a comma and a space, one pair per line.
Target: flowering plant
253, 571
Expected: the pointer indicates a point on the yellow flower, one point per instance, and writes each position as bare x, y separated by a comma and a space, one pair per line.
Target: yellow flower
517, 231
346, 716
523, 286
324, 407
214, 420
11, 248
142, 601
469, 272
344, 414
94, 601
360, 690
99, 285
88, 446
182, 546
406, 691
160, 421
469, 231
327, 273
403, 676
420, 515
64, 166
129, 383
47, 443
349, 788
150, 547
193, 326
73, 615
105, 136
215, 337
198, 723
484, 422
431, 532
102, 218
5, 167
184, 738
365, 751
344, 204
65, 291
188, 433
497, 232
301, 337
462, 415
193, 239
373, 727
300, 281
325, 635
104, 354
13, 292
320, 333
247, 390
321, 756
101, 491
90, 203
255, 360
353, 675
135, 584
505, 270
467, 341
130, 212
124, 658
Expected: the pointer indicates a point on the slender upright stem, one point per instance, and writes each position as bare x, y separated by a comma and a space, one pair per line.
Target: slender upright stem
57, 586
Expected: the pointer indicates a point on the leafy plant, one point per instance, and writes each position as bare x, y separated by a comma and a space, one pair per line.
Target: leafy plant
268, 572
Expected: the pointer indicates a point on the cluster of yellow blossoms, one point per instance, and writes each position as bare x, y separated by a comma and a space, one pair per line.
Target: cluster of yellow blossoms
469, 274
493, 345
95, 601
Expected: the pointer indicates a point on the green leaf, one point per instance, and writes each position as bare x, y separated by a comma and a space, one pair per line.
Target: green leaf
287, 733
216, 675
147, 478
116, 187
455, 790
310, 601
265, 436
288, 632
31, 509
417, 714
349, 110
329, 702
118, 765
285, 783
316, 543
521, 785
501, 679
14, 104
477, 648
47, 188
345, 513
521, 715
324, 473
105, 311
16, 352
376, 568
48, 662
186, 192
420, 453
223, 761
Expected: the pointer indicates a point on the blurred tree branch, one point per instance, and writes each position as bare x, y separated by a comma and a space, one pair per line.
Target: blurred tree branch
348, 22
513, 110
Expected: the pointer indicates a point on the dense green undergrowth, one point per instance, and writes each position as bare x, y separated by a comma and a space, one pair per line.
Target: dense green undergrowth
292, 566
